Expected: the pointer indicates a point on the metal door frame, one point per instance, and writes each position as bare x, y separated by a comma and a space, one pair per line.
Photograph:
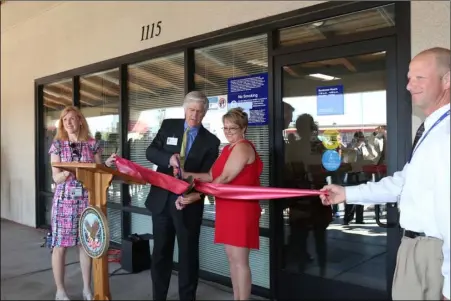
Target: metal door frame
399, 110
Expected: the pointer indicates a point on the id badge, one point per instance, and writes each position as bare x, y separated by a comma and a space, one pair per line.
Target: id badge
172, 141
77, 192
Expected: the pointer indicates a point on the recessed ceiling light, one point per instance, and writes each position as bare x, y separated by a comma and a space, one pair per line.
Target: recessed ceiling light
323, 76
318, 24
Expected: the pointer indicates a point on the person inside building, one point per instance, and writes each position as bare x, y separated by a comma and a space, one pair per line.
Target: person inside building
198, 148
72, 143
237, 221
306, 214
421, 188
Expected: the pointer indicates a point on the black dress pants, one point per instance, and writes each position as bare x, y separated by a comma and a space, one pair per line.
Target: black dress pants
351, 211
167, 225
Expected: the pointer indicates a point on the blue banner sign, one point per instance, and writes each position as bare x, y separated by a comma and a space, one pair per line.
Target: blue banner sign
251, 94
330, 100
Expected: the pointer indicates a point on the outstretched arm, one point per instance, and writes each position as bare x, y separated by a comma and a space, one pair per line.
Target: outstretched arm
386, 190
207, 163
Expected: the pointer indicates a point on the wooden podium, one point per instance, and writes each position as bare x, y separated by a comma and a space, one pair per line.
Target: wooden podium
96, 178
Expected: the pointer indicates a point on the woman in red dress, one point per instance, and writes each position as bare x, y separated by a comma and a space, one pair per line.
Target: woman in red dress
237, 221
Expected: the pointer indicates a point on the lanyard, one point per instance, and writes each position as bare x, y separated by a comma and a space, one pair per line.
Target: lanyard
427, 133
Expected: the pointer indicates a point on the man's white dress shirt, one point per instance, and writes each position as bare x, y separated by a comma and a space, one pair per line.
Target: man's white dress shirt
422, 188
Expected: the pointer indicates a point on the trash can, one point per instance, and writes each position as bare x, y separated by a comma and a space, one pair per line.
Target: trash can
136, 253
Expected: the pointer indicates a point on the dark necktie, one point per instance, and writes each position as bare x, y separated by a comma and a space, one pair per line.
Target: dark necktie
418, 135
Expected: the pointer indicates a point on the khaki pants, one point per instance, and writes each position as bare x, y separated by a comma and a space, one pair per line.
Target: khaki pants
418, 274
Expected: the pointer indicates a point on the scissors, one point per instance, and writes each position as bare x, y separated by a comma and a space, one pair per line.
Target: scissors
179, 176
179, 172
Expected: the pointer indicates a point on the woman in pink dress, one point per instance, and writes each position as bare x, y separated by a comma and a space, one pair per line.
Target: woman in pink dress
72, 143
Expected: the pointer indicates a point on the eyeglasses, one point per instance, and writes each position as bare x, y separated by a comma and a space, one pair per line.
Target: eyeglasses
74, 151
231, 130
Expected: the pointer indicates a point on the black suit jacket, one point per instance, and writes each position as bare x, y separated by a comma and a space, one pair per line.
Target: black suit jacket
203, 153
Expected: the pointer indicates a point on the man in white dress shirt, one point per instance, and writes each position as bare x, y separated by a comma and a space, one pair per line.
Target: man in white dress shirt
422, 188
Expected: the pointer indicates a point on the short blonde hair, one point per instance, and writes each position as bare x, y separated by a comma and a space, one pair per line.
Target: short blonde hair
237, 116
61, 133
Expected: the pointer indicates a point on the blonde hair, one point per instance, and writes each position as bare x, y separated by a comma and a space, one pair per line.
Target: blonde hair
237, 116
83, 134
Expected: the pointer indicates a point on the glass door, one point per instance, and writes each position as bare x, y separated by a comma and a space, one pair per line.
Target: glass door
55, 97
334, 105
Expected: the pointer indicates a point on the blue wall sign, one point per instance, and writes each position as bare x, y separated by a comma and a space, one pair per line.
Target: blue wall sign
331, 160
251, 94
330, 100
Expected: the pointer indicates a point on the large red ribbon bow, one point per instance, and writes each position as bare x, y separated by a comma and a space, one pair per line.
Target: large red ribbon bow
226, 191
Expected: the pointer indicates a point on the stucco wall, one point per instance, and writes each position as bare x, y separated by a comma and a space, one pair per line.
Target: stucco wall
430, 27
43, 38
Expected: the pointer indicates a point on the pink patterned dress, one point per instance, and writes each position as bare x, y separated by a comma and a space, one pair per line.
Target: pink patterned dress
66, 210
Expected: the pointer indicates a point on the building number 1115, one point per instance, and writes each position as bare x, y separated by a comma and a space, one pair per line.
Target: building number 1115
150, 31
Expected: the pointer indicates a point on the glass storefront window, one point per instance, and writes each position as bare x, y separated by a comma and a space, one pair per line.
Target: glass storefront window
362, 21
56, 96
155, 93
99, 103
214, 66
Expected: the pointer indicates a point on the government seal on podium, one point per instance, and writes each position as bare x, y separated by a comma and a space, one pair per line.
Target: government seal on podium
94, 232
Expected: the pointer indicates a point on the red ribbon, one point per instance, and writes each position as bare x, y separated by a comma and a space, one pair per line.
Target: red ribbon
226, 191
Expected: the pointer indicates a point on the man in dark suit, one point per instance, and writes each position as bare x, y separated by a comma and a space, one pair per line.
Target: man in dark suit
200, 148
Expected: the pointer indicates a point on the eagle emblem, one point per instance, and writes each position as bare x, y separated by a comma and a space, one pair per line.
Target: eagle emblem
94, 232
91, 232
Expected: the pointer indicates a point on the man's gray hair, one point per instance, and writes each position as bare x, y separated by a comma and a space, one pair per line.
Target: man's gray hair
196, 96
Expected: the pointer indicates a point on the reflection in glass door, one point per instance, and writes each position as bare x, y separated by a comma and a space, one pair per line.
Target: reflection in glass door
334, 131
99, 103
55, 97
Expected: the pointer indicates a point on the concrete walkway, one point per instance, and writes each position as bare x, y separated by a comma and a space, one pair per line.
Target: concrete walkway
26, 272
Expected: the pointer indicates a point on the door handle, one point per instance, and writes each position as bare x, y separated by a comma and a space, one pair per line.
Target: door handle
377, 211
